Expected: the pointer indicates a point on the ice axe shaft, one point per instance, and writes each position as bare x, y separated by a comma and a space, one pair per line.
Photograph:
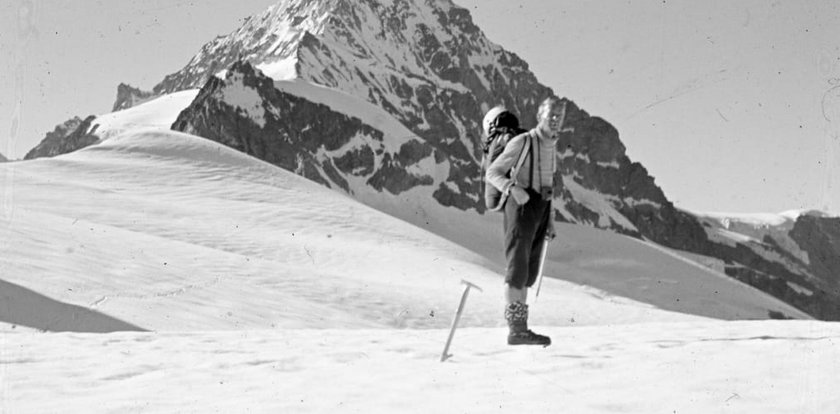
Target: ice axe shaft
467, 286
543, 253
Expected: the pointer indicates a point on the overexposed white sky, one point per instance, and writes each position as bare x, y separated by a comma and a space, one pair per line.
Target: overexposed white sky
727, 104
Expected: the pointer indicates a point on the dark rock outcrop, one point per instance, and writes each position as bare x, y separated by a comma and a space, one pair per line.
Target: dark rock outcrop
128, 96
2, 158
819, 237
796, 260
299, 135
70, 136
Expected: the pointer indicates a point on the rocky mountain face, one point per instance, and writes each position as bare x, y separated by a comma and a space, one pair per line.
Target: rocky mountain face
128, 96
74, 134
431, 68
796, 259
424, 64
819, 237
2, 158
246, 112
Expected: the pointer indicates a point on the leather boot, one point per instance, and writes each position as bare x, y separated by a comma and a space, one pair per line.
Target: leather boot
516, 314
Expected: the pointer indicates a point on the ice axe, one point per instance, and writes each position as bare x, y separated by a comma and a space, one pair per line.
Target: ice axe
543, 253
467, 286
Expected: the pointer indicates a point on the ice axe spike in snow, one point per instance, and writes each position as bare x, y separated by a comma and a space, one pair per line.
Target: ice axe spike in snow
543, 253
467, 286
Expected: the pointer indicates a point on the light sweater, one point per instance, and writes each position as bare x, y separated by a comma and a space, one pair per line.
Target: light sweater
543, 155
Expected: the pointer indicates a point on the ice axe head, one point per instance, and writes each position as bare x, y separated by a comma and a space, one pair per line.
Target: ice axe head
470, 284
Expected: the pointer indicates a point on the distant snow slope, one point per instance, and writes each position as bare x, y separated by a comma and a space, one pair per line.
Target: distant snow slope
759, 219
213, 239
228, 259
167, 231
160, 112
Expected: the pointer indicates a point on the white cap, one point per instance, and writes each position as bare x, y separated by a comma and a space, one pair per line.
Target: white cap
491, 116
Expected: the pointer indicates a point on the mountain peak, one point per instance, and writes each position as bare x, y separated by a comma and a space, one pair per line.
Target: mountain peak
314, 40
427, 65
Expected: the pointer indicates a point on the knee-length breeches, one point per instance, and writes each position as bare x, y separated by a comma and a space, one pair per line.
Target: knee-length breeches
525, 227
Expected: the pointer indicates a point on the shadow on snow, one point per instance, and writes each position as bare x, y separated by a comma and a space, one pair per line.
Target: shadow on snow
24, 307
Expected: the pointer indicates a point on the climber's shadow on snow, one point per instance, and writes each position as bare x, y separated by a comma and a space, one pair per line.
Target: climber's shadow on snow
24, 307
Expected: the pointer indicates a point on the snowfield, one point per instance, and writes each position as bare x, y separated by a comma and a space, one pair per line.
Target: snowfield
161, 272
697, 367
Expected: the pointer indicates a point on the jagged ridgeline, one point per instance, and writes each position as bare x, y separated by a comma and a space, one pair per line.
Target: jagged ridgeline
72, 135
246, 112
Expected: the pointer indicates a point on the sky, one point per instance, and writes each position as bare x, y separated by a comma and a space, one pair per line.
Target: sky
63, 59
731, 106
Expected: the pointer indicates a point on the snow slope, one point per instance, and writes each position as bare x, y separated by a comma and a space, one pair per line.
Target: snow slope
213, 239
252, 289
160, 112
578, 255
706, 367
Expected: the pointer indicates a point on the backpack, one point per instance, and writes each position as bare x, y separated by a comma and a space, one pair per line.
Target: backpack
500, 126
